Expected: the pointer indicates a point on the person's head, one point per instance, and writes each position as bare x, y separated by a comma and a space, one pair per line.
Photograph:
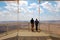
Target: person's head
32, 18
36, 19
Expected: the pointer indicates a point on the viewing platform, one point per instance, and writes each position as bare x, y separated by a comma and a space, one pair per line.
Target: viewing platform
26, 35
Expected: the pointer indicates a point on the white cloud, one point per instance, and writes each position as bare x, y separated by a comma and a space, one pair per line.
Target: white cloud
49, 7
34, 5
23, 3
28, 14
6, 16
41, 10
57, 6
12, 6
24, 10
10, 13
52, 9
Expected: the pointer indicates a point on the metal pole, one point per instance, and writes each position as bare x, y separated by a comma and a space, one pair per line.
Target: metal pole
39, 14
17, 19
7, 29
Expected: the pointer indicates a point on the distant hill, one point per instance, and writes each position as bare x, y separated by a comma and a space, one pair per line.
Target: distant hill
47, 21
51, 21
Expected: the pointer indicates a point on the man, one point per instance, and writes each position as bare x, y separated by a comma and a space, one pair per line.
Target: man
32, 24
36, 24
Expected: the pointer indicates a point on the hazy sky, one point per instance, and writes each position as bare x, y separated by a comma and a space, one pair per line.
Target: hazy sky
49, 10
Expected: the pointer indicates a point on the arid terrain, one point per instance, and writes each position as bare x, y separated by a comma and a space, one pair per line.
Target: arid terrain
52, 28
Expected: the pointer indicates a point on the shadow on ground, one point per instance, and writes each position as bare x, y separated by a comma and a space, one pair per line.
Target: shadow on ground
29, 38
54, 38
32, 38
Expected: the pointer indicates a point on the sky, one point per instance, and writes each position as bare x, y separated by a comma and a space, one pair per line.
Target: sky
45, 10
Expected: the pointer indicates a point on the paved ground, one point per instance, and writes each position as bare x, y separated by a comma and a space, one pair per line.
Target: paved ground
26, 33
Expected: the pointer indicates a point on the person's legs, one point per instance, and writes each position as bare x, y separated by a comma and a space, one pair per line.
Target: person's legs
36, 27
32, 27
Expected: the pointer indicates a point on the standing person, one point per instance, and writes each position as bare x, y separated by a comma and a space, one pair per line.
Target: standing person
36, 24
32, 24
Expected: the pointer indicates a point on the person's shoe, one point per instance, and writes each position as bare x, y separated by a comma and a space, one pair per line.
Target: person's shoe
32, 30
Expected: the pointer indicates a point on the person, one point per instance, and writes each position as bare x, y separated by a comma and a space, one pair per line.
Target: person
32, 24
36, 24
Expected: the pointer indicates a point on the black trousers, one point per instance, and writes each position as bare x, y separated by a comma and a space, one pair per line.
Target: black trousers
36, 27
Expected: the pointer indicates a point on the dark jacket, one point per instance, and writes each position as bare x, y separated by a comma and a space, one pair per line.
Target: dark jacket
36, 22
32, 21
